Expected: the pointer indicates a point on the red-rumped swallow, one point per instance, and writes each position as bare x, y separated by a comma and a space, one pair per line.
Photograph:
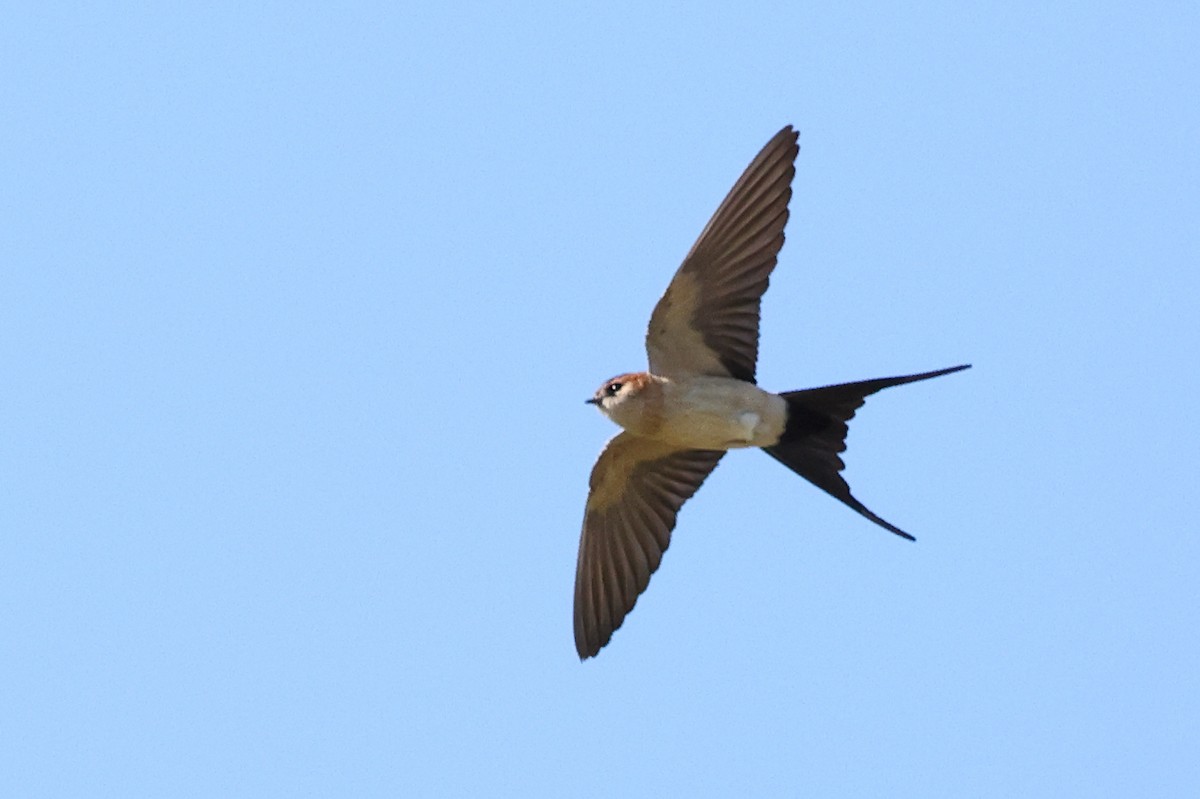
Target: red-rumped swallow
699, 400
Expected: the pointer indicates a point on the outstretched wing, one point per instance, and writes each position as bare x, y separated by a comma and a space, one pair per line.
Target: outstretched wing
637, 489
707, 321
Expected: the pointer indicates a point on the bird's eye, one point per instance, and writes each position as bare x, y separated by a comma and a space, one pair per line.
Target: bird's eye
613, 388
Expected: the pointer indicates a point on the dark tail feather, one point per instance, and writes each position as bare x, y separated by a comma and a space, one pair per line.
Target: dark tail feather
815, 435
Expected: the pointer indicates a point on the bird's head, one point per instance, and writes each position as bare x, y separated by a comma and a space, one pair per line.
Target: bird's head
624, 398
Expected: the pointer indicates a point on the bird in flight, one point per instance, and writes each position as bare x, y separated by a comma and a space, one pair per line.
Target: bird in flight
699, 399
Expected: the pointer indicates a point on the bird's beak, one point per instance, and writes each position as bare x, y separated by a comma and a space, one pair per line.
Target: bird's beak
592, 401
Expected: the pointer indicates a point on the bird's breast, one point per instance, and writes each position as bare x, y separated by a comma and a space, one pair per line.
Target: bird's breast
720, 413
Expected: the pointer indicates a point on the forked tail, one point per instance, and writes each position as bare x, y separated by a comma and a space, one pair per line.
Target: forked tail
815, 434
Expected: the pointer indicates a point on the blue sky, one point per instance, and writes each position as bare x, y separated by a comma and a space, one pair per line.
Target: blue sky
299, 305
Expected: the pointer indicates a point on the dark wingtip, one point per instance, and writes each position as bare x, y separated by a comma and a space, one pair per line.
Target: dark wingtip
786, 134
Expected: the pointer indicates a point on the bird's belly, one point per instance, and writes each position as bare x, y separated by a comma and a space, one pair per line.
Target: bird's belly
720, 413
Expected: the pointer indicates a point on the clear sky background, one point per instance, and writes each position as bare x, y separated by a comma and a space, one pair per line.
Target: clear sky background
299, 305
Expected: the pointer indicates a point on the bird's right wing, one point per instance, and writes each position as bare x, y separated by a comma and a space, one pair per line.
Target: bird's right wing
637, 488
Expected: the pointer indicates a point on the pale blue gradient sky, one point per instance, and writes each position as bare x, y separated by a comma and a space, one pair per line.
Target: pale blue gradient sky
299, 305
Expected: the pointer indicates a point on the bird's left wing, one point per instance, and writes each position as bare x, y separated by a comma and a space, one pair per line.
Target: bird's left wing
707, 321
637, 488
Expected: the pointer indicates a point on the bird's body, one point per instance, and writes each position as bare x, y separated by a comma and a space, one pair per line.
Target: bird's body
700, 399
699, 412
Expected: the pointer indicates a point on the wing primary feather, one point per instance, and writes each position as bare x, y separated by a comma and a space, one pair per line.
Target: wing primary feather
623, 562
756, 210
